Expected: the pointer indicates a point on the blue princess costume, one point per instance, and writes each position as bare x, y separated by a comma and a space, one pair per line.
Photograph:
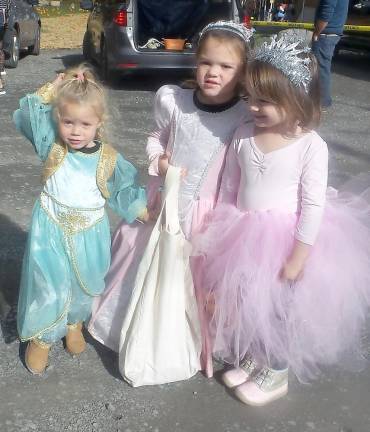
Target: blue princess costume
68, 249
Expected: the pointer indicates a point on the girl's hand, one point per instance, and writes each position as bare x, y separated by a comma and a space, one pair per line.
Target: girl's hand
58, 79
144, 216
292, 270
163, 164
148, 215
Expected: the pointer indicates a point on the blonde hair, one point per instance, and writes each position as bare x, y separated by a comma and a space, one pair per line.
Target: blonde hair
270, 84
80, 86
238, 45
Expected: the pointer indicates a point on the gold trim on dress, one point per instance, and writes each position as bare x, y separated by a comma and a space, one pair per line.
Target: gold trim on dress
46, 93
41, 344
105, 169
55, 323
55, 159
106, 164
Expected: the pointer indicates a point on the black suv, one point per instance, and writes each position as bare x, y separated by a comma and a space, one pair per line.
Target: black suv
23, 31
127, 35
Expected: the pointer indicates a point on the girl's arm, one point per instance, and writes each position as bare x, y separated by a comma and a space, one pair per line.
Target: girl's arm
293, 268
164, 105
231, 175
314, 180
126, 197
34, 119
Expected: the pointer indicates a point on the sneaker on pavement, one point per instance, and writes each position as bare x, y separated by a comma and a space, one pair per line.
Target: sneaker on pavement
267, 386
237, 376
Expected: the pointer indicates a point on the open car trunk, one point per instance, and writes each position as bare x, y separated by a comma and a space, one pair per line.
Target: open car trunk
176, 19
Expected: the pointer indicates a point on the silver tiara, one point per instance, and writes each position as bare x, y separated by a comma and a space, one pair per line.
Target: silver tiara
239, 30
284, 54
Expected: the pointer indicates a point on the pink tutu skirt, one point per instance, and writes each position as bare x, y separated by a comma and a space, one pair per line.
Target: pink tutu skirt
315, 321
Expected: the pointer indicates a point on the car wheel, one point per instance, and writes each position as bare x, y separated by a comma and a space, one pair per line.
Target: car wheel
35, 48
86, 47
12, 61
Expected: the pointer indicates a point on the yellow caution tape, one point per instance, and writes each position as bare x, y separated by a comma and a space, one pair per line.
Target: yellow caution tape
306, 26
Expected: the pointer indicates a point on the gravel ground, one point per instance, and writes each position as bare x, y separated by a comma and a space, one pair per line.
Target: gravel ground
87, 394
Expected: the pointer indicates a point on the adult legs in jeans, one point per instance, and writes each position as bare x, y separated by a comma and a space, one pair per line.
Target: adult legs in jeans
323, 50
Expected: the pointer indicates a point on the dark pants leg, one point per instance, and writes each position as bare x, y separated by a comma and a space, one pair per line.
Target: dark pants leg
323, 49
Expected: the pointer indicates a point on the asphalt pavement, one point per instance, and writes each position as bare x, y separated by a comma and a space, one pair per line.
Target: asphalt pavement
87, 393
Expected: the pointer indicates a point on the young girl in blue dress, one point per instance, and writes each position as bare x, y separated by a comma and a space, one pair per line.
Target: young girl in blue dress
68, 248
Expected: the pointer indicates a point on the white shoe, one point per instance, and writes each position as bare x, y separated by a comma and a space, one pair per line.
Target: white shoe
237, 376
267, 386
3, 73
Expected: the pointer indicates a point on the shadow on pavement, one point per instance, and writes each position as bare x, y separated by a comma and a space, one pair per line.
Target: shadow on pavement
130, 81
70, 60
352, 65
11, 253
108, 357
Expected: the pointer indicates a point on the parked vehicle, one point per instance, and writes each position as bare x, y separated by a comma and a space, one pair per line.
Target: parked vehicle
123, 35
23, 31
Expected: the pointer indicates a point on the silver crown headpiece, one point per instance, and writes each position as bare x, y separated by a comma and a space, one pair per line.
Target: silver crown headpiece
239, 30
284, 54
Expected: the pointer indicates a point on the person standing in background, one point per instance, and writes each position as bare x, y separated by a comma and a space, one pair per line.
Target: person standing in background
4, 16
330, 18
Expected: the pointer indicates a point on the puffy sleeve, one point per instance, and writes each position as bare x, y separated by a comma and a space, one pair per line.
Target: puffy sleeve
34, 120
314, 181
126, 198
231, 176
164, 106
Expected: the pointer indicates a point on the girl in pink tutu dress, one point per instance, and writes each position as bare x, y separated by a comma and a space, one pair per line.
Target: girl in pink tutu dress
286, 275
193, 130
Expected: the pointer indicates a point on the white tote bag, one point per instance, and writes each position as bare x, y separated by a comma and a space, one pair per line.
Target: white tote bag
160, 338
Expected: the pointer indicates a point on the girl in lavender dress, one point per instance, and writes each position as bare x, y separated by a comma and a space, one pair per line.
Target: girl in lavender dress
286, 275
193, 130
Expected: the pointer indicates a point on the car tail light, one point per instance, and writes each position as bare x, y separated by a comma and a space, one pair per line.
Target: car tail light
247, 21
120, 18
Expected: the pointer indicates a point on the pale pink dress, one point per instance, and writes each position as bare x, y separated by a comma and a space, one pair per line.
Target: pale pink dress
267, 201
197, 140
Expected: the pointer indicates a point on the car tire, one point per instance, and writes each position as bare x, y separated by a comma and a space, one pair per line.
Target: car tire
12, 61
35, 48
86, 47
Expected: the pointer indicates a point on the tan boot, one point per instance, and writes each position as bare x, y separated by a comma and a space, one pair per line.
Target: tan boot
36, 357
75, 341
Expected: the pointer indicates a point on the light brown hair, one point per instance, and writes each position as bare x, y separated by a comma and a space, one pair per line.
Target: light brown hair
270, 84
240, 47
